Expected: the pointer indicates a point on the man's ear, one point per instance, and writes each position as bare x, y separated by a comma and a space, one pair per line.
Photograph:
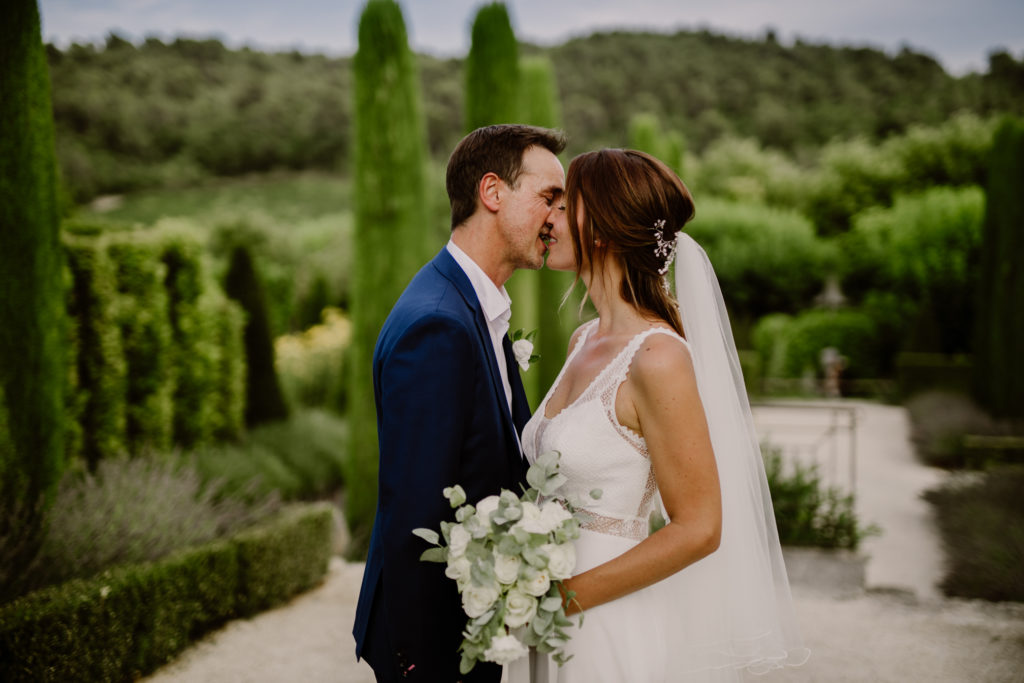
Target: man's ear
489, 191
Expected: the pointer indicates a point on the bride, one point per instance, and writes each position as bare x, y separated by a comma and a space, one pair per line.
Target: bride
650, 408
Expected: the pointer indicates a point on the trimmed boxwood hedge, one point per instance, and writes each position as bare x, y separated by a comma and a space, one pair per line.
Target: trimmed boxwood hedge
128, 621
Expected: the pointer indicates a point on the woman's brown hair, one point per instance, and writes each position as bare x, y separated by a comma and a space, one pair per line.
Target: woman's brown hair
625, 194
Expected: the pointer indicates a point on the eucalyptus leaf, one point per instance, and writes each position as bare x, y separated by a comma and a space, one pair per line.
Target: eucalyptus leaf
434, 555
551, 604
428, 535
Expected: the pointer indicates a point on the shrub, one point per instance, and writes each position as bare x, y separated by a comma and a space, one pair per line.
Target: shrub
100, 369
939, 420
194, 353
791, 346
146, 340
301, 458
767, 260
925, 251
309, 363
133, 511
264, 400
982, 524
806, 512
122, 624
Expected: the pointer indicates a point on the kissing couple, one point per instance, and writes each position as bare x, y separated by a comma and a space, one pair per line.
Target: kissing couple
649, 407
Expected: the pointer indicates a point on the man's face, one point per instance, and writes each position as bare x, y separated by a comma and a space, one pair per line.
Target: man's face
527, 214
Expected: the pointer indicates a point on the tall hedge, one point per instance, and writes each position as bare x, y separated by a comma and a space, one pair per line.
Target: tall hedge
32, 316
391, 240
264, 398
146, 338
99, 362
999, 327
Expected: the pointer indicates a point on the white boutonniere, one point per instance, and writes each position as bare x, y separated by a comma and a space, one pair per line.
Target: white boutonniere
522, 349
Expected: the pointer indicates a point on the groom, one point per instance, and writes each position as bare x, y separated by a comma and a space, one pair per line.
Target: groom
450, 403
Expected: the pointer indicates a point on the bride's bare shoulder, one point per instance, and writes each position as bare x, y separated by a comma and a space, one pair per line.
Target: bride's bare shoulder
662, 359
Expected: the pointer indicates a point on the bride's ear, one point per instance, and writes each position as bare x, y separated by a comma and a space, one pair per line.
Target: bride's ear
489, 191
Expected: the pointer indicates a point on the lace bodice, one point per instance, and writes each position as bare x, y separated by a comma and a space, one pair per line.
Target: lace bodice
597, 451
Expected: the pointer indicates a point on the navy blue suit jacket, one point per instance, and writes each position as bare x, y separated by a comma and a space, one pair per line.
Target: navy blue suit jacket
442, 419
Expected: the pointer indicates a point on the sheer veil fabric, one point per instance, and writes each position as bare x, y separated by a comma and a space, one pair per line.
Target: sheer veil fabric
735, 608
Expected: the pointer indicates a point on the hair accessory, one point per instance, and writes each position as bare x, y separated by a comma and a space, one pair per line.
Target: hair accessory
666, 248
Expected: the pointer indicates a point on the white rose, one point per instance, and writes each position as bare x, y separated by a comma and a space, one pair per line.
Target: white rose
519, 608
531, 521
553, 514
478, 599
536, 582
522, 349
506, 567
458, 539
561, 560
484, 509
458, 568
504, 650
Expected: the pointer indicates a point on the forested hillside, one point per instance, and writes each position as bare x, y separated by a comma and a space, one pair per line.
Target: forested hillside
131, 116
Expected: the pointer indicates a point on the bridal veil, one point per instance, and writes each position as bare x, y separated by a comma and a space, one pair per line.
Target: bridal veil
734, 607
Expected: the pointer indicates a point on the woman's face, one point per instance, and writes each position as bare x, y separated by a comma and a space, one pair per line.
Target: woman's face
560, 252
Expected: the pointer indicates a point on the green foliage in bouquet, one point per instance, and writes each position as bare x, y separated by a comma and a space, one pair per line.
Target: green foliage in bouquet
391, 239
508, 555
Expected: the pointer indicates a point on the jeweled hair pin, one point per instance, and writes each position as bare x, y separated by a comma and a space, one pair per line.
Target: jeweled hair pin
666, 248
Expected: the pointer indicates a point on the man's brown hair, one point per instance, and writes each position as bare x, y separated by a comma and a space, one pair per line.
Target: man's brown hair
494, 149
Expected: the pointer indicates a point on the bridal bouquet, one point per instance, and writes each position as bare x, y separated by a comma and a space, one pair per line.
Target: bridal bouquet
508, 555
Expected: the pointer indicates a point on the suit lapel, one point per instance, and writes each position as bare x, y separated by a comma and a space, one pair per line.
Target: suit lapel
520, 406
452, 271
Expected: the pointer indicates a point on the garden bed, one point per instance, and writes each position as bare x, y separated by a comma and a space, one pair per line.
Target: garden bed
126, 622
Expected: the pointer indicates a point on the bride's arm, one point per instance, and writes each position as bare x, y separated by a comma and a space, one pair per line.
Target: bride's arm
669, 412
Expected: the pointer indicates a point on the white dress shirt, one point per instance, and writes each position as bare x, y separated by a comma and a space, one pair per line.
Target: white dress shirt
496, 305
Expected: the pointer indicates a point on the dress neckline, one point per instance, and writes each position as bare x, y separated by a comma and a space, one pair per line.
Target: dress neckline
611, 362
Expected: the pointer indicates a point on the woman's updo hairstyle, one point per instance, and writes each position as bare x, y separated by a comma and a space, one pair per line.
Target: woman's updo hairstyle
625, 196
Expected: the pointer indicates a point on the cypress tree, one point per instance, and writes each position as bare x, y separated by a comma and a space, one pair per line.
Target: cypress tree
264, 399
555, 324
493, 95
391, 240
32, 317
492, 69
999, 327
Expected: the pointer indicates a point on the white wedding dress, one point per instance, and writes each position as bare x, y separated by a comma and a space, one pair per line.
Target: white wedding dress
657, 634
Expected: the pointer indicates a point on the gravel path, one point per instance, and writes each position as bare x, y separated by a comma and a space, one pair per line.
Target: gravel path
893, 626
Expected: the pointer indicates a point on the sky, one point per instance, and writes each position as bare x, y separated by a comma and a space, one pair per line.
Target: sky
958, 33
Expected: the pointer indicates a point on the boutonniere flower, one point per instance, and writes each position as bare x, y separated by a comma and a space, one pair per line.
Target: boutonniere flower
522, 349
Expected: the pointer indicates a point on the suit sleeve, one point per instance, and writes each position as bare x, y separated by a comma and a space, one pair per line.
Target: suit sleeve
427, 388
